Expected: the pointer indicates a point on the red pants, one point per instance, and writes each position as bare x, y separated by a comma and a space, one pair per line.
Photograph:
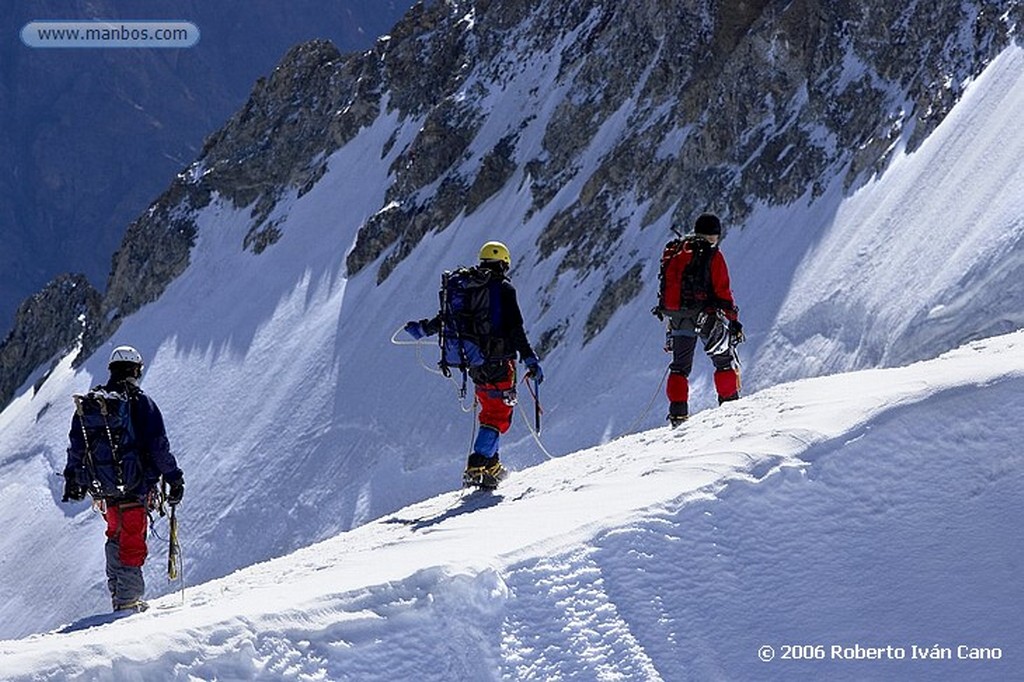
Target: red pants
494, 398
127, 527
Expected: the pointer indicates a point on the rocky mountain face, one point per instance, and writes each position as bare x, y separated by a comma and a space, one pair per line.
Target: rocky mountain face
47, 323
91, 137
677, 105
730, 103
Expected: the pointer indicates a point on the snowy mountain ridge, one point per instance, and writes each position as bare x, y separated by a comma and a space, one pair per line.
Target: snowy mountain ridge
456, 573
295, 419
94, 136
601, 119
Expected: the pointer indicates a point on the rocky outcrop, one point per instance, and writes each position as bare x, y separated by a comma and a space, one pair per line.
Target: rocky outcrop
495, 170
70, 311
615, 294
133, 119
47, 326
761, 100
673, 107
712, 106
155, 250
718, 106
275, 143
278, 140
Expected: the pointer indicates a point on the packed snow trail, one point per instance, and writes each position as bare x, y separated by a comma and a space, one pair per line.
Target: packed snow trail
837, 511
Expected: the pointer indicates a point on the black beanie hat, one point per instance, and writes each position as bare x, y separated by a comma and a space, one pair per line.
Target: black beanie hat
708, 223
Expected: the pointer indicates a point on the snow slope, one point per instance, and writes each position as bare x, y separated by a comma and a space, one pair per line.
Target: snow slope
876, 511
295, 419
928, 256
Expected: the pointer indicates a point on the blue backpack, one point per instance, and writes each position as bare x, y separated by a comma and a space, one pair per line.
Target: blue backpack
110, 467
470, 314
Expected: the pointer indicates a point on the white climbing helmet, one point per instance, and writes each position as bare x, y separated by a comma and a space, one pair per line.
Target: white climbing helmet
125, 354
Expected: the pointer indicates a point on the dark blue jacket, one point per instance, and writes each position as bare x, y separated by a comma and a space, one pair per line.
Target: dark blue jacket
506, 318
150, 441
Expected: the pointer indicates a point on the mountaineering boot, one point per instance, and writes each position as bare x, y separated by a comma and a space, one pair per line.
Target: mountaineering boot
678, 412
136, 606
475, 465
493, 473
483, 472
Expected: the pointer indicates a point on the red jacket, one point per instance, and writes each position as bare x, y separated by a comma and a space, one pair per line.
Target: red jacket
704, 286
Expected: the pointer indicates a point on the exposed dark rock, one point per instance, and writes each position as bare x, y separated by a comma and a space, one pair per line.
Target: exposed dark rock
550, 338
675, 106
615, 294
440, 145
262, 236
155, 250
587, 232
47, 326
271, 143
495, 170
433, 216
90, 137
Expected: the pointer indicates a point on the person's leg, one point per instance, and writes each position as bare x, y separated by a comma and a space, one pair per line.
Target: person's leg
727, 366
125, 553
684, 341
111, 549
497, 397
495, 391
727, 376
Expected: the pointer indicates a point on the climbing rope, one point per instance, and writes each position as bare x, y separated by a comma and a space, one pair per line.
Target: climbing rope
657, 392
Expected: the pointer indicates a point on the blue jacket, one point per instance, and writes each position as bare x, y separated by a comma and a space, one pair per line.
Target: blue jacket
506, 317
150, 441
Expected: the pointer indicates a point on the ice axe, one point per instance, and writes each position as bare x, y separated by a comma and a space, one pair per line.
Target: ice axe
537, 409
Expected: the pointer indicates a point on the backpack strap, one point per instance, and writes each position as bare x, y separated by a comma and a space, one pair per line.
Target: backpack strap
671, 250
459, 336
696, 284
87, 455
99, 396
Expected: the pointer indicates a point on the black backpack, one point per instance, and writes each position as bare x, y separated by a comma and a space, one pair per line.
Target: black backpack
110, 467
470, 315
685, 277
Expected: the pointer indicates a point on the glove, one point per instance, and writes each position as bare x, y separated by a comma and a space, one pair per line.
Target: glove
736, 331
72, 491
415, 329
176, 492
533, 365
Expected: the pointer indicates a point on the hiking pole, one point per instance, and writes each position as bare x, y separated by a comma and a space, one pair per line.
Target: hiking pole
537, 409
173, 548
172, 545
533, 428
175, 567
536, 404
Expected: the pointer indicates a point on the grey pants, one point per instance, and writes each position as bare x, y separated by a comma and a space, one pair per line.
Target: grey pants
125, 583
684, 333
125, 550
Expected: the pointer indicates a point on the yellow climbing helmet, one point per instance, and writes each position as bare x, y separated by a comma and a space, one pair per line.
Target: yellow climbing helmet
496, 251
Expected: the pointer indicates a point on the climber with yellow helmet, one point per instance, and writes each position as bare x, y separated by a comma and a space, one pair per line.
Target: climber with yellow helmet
481, 330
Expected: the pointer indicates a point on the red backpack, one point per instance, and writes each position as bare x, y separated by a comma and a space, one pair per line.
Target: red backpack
685, 278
